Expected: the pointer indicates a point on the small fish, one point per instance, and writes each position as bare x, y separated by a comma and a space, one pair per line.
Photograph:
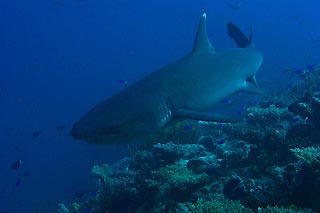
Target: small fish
123, 82
257, 101
79, 195
220, 125
94, 193
299, 70
289, 86
21, 179
19, 99
221, 141
16, 165
294, 17
311, 67
241, 110
295, 120
226, 101
234, 6
58, 2
88, 210
32, 67
187, 127
26, 174
60, 127
286, 70
36, 134
19, 149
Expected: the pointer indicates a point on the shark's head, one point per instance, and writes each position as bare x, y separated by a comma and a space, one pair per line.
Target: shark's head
106, 133
112, 122
110, 133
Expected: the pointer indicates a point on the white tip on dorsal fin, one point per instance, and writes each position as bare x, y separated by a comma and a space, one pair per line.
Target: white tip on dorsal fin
202, 42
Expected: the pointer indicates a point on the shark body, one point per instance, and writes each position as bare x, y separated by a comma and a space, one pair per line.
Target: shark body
185, 89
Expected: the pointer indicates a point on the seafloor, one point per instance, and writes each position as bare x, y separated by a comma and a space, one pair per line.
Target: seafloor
270, 162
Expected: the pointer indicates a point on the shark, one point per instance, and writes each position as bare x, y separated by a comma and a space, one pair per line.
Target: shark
185, 89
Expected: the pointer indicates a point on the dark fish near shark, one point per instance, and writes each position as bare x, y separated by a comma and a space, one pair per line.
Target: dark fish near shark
185, 89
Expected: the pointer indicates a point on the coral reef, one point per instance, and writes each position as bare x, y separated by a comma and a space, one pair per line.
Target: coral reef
269, 159
180, 178
217, 206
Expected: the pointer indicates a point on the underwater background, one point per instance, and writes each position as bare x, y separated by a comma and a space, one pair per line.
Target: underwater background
59, 58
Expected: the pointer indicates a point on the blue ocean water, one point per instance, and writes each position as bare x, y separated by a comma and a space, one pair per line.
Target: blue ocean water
59, 58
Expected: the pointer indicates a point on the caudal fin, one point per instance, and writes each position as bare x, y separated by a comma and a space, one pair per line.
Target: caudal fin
239, 37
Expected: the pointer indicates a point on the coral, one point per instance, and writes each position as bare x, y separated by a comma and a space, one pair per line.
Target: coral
266, 116
276, 209
308, 107
301, 109
217, 206
188, 166
249, 133
256, 192
74, 208
184, 132
62, 208
102, 172
118, 188
184, 151
309, 155
180, 177
231, 206
209, 164
315, 105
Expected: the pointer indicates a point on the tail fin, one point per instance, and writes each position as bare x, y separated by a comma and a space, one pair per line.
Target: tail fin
239, 37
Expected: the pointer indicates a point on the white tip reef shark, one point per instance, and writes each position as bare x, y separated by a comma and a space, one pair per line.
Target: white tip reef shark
185, 89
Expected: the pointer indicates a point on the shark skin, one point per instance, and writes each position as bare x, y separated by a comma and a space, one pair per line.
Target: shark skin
185, 89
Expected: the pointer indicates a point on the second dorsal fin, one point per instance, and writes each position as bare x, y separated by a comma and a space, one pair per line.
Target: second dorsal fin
202, 42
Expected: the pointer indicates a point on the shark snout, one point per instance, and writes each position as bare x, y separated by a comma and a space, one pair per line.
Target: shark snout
77, 132
88, 131
83, 130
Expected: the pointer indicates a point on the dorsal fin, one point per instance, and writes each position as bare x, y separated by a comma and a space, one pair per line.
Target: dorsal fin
202, 42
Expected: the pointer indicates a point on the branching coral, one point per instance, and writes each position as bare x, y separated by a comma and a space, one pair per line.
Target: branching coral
217, 206
310, 155
180, 177
102, 172
277, 209
267, 116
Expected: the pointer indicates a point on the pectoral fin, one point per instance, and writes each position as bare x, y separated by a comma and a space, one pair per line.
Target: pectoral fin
204, 116
253, 81
251, 88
